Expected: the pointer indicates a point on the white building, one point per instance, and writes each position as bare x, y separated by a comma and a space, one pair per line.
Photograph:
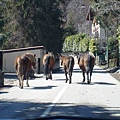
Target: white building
98, 32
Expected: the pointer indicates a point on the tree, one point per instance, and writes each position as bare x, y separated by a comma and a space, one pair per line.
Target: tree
118, 33
31, 23
70, 29
108, 12
92, 46
79, 42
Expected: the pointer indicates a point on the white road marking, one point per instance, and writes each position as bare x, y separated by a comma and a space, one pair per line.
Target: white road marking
46, 112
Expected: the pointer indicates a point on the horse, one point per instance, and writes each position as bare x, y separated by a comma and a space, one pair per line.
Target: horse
23, 64
48, 63
86, 62
68, 63
32, 58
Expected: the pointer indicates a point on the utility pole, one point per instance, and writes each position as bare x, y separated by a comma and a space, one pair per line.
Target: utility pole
117, 48
89, 18
107, 48
90, 27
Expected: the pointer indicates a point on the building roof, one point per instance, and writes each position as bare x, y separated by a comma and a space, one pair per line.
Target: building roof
23, 49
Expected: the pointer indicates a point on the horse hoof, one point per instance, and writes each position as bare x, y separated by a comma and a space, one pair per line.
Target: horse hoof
83, 81
88, 82
50, 78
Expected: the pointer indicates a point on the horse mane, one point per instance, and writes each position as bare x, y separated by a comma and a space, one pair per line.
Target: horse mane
90, 53
51, 54
28, 53
86, 53
31, 56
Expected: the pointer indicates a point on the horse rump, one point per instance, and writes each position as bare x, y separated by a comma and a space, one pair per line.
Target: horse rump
48, 63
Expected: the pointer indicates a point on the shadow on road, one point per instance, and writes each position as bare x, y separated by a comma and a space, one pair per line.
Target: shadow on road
103, 83
66, 111
44, 87
5, 87
3, 92
96, 83
60, 79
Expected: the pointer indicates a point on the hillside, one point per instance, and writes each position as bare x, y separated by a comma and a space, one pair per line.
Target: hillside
77, 10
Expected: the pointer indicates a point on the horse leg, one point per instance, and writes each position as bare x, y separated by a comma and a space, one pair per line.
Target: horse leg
88, 78
50, 76
19, 79
70, 77
19, 82
66, 76
27, 83
83, 76
46, 77
22, 81
27, 77
91, 74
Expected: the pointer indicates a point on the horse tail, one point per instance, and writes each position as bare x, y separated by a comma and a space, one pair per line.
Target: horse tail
89, 66
46, 66
78, 60
71, 64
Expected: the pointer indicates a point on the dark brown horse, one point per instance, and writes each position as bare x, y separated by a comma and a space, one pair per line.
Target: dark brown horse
23, 64
48, 62
86, 62
68, 63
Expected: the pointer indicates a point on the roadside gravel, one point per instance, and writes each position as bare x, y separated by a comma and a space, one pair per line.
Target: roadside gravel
114, 72
116, 75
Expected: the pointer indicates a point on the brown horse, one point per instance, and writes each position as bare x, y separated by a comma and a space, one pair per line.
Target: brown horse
48, 62
23, 64
68, 63
86, 62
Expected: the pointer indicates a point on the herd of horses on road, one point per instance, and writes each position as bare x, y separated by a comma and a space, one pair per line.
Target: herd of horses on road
24, 63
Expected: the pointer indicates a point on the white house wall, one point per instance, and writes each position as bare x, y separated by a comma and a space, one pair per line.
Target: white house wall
9, 57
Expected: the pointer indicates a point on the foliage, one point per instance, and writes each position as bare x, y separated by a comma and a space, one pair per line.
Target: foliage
93, 47
108, 12
71, 42
112, 50
69, 27
79, 42
30, 23
118, 33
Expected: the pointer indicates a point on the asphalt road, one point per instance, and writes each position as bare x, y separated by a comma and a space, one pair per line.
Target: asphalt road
48, 98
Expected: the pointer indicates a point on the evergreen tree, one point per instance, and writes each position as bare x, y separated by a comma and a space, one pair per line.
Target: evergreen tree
34, 22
